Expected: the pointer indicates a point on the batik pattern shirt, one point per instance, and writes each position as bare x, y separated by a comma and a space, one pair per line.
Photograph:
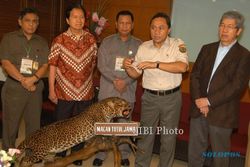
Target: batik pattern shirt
75, 60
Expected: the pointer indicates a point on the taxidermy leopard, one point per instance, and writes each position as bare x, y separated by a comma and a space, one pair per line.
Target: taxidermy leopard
65, 134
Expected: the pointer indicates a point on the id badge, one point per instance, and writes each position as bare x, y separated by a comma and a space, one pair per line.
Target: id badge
26, 66
119, 64
35, 65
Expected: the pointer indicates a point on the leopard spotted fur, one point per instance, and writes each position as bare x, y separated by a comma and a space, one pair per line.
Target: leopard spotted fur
65, 134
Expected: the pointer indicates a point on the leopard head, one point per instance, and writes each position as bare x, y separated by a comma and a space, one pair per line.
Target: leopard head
116, 107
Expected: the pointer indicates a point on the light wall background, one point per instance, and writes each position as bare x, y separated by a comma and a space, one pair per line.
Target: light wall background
196, 22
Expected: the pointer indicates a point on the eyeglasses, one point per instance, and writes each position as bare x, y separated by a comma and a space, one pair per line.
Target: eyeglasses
228, 27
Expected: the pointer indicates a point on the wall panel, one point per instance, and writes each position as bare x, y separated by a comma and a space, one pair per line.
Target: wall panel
46, 9
51, 12
143, 10
9, 15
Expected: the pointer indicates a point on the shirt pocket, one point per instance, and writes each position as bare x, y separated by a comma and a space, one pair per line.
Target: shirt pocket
15, 56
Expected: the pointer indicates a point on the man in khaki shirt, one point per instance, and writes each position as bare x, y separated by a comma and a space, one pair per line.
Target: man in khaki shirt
160, 61
24, 57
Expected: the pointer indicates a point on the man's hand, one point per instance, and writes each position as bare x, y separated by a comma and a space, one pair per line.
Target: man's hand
53, 97
204, 110
127, 62
32, 88
146, 65
201, 102
120, 85
29, 83
203, 105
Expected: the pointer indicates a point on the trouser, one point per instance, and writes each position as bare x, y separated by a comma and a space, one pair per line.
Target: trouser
247, 163
124, 148
67, 109
166, 111
198, 143
18, 102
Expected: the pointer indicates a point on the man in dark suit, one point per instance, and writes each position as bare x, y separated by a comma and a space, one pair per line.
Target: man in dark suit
219, 76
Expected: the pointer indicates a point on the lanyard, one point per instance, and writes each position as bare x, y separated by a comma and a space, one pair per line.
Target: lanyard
27, 50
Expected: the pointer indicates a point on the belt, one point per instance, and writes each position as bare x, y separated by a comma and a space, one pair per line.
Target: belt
163, 92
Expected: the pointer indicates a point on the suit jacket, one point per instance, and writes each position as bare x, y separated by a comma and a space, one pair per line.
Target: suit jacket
226, 86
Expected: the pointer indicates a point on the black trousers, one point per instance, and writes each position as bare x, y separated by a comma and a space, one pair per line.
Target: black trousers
67, 109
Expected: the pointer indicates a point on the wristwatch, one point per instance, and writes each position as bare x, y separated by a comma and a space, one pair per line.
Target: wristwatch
157, 64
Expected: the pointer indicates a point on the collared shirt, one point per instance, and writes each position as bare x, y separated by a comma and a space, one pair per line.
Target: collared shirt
110, 52
15, 46
170, 51
221, 53
75, 60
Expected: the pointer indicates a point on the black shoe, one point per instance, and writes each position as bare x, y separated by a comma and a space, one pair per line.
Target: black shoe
97, 162
78, 162
125, 162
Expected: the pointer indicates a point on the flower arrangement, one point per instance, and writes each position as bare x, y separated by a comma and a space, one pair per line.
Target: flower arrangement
7, 158
96, 22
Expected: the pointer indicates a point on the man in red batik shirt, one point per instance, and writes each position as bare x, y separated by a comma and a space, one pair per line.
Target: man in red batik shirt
72, 61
